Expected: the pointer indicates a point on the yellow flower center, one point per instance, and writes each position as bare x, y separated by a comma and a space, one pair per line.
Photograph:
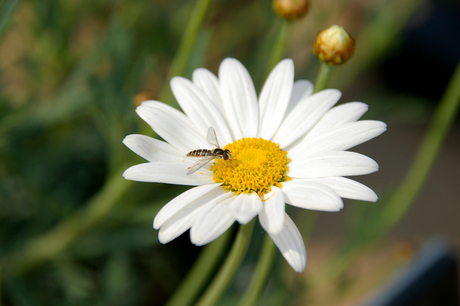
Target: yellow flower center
255, 166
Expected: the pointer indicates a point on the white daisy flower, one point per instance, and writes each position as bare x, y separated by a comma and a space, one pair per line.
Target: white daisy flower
288, 146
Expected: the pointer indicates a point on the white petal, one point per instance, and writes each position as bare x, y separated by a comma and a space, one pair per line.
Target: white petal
305, 115
272, 215
350, 189
341, 114
274, 98
291, 245
150, 148
174, 227
211, 224
329, 164
311, 195
209, 83
245, 207
239, 98
195, 197
200, 109
172, 125
340, 138
301, 90
168, 173
186, 217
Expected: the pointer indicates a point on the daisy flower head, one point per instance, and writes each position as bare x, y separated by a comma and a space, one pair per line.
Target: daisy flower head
286, 147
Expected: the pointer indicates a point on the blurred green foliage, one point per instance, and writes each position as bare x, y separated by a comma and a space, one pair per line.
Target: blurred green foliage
71, 73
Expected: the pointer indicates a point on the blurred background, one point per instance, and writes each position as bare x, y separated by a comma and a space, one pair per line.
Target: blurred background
74, 232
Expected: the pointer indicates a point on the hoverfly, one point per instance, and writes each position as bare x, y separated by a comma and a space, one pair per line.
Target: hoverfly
208, 155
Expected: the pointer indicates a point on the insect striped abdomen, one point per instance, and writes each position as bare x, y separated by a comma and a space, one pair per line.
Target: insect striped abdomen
200, 153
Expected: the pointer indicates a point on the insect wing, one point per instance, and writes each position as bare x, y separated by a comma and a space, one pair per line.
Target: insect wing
212, 138
203, 161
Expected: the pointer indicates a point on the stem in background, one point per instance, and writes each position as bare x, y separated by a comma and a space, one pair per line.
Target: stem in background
185, 49
261, 274
280, 45
323, 76
230, 266
442, 121
200, 272
56, 240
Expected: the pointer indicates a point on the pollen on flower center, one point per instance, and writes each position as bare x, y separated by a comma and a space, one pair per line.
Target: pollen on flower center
255, 166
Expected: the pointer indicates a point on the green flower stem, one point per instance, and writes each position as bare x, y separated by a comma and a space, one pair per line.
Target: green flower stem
231, 264
279, 46
186, 45
442, 121
323, 76
261, 274
52, 243
200, 272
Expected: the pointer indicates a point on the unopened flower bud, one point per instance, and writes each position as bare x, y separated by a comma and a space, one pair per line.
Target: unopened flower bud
291, 9
334, 45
